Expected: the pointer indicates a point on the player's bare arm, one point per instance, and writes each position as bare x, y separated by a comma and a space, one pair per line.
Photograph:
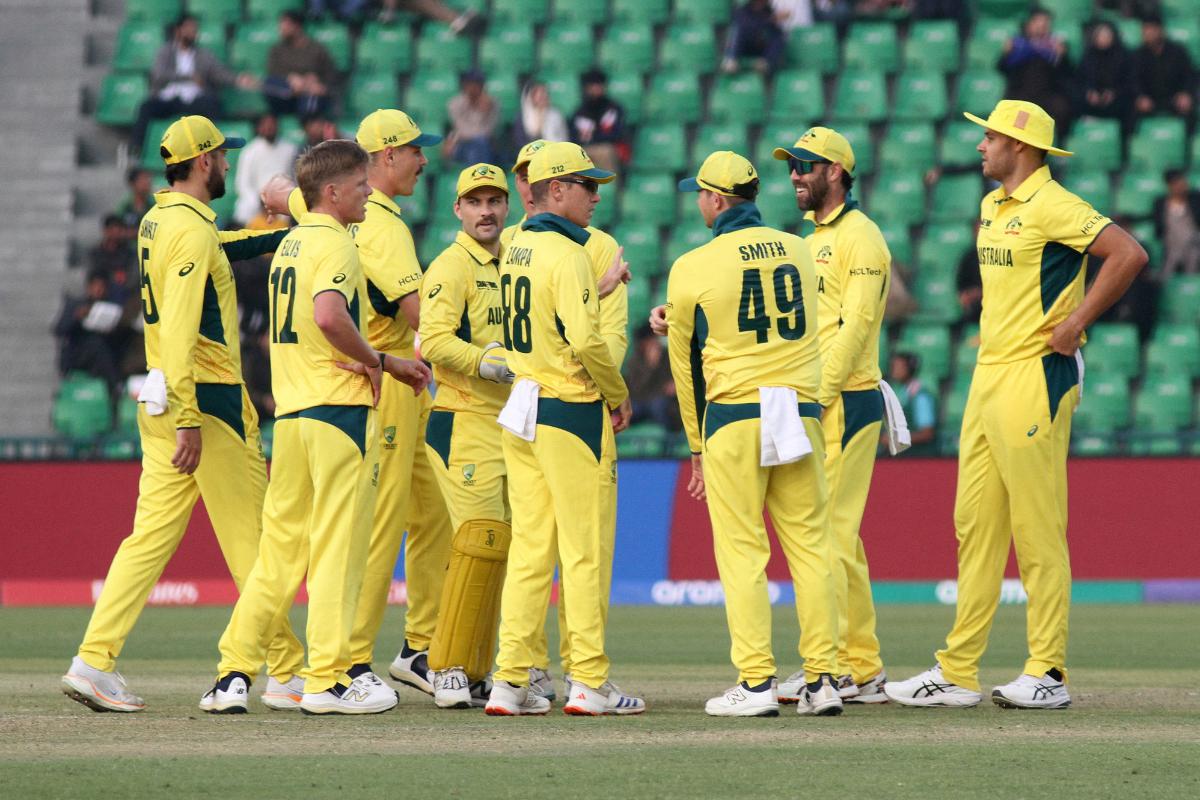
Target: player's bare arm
616, 274
332, 316
1122, 259
410, 307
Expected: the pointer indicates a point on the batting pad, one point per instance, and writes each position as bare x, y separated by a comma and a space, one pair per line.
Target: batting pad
470, 612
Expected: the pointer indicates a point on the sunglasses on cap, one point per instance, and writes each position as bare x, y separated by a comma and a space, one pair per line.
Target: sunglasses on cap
803, 167
589, 186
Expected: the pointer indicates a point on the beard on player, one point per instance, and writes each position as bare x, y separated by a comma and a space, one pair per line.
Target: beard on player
216, 185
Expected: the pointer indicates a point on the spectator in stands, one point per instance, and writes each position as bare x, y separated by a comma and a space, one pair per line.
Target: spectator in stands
792, 14
90, 335
1164, 75
754, 33
139, 200
474, 115
954, 10
466, 21
539, 119
300, 72
599, 122
317, 128
838, 12
1177, 225
265, 156
920, 406
345, 10
113, 256
651, 387
970, 284
1139, 304
1106, 87
185, 79
1035, 63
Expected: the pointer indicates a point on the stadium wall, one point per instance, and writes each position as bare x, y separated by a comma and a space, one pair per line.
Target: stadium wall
1133, 530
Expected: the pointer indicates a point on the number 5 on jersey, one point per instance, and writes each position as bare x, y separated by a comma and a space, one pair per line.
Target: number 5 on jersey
789, 300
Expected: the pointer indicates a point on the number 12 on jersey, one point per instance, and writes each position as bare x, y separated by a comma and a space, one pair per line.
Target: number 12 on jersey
789, 300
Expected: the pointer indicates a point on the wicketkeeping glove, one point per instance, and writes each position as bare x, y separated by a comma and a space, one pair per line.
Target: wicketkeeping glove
493, 366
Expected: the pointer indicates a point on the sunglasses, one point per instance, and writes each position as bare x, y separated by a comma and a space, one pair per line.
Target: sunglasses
803, 167
589, 186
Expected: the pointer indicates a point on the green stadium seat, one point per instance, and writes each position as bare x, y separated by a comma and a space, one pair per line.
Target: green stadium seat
137, 42
966, 353
952, 406
737, 98
978, 92
565, 46
82, 408
689, 48
626, 88
899, 197
445, 192
920, 96
1184, 28
814, 48
161, 11
384, 48
959, 140
644, 440
797, 94
908, 145
211, 36
521, 10
1091, 445
438, 236
121, 96
594, 12
1180, 300
776, 133
1158, 145
1174, 350
649, 197
860, 96
151, 159
271, 9
674, 97
955, 198
1137, 193
777, 202
242, 103
1112, 348
127, 409
987, 39
661, 146
1105, 405
1093, 186
648, 12
1096, 144
643, 250
1001, 7
628, 47
565, 91
438, 48
713, 12
372, 90
898, 240
251, 42
943, 246
336, 38
505, 87
684, 238
713, 136
937, 298
871, 46
221, 11
415, 207
605, 213
1163, 404
427, 96
932, 344
641, 299
932, 45
508, 47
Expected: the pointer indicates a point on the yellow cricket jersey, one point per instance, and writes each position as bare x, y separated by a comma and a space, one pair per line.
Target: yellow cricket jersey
189, 302
316, 256
601, 249
460, 314
552, 316
742, 311
1032, 248
854, 268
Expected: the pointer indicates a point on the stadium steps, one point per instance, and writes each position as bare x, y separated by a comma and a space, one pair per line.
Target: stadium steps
41, 53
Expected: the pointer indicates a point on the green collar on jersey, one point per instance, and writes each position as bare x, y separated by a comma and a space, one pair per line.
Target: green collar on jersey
743, 215
556, 224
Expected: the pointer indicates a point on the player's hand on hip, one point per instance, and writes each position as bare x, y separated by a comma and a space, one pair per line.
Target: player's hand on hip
658, 320
373, 372
1066, 338
406, 370
493, 366
621, 416
187, 450
616, 274
696, 482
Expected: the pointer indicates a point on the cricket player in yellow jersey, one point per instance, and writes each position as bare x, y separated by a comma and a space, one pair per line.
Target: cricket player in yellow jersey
742, 341
461, 335
558, 439
853, 270
326, 381
612, 273
199, 432
1035, 238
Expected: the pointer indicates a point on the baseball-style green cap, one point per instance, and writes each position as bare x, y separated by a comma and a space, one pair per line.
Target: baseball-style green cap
188, 137
723, 172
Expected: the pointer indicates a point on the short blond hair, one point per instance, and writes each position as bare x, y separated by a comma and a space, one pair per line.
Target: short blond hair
326, 163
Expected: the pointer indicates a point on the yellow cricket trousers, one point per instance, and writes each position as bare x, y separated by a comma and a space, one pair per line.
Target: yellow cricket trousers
1012, 487
852, 424
231, 478
407, 499
559, 482
468, 463
316, 521
795, 495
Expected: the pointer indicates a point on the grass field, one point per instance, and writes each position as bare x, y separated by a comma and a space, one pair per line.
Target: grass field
1134, 730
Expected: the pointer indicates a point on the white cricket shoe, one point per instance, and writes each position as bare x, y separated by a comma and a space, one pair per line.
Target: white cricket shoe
871, 690
1028, 691
608, 700
411, 667
507, 700
931, 688
480, 691
362, 696
451, 689
229, 695
283, 696
790, 689
541, 684
567, 684
739, 701
846, 687
820, 698
99, 690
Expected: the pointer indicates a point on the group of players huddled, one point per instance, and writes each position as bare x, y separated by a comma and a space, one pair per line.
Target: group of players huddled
507, 473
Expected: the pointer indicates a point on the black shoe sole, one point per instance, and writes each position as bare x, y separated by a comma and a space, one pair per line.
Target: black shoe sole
83, 699
232, 710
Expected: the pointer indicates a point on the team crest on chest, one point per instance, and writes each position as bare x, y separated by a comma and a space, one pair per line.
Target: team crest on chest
389, 437
824, 254
1013, 228
468, 471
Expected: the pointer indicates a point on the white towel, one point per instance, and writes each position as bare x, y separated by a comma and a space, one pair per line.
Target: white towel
899, 439
1079, 363
154, 393
519, 414
783, 437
